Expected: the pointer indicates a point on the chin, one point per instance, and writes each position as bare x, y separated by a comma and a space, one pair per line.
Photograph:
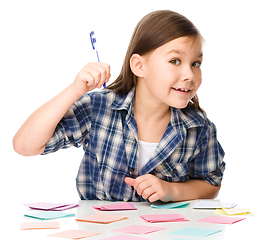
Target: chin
180, 106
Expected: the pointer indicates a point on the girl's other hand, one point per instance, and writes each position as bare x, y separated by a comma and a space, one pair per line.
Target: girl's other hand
91, 76
152, 188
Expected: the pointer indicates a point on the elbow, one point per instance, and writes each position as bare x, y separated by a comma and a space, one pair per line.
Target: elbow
19, 146
23, 148
214, 192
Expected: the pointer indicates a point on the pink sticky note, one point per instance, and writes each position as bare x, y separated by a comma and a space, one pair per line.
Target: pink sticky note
125, 237
39, 225
62, 208
116, 207
139, 229
164, 218
102, 218
74, 234
45, 205
221, 220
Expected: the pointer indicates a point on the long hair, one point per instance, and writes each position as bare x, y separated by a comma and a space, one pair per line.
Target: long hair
154, 30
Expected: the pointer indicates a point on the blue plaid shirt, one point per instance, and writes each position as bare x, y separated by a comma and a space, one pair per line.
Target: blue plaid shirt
104, 123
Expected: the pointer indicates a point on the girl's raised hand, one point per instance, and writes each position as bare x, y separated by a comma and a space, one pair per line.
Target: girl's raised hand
91, 76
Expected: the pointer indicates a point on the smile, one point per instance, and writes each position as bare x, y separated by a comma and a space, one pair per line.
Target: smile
181, 89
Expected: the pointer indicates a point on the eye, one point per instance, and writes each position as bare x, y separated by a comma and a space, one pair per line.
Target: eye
175, 61
196, 64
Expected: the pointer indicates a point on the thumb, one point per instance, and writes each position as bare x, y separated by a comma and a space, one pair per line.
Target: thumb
129, 181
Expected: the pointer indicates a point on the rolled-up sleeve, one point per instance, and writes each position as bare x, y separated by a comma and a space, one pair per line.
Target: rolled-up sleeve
208, 164
73, 128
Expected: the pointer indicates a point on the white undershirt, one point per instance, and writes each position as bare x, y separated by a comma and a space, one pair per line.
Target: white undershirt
146, 150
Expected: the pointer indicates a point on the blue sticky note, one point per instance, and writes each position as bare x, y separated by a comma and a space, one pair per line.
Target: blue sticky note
195, 232
162, 205
46, 215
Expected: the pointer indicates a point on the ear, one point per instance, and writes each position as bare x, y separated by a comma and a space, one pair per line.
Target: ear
136, 64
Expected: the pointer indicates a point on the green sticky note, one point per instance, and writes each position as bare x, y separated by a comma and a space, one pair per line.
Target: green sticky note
47, 215
162, 205
195, 232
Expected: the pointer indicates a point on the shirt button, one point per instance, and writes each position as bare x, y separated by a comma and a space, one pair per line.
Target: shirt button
174, 171
131, 171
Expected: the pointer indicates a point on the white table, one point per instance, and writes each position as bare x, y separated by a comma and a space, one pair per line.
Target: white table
240, 230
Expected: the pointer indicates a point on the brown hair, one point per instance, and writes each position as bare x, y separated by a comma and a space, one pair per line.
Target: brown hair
154, 30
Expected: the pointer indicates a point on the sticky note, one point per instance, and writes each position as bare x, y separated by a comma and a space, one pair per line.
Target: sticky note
39, 225
162, 205
236, 211
211, 204
47, 206
102, 218
221, 219
116, 207
139, 229
164, 218
62, 208
125, 237
44, 205
47, 215
74, 234
195, 232
219, 212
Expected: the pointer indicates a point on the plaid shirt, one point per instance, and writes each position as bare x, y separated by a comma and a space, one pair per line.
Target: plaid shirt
104, 123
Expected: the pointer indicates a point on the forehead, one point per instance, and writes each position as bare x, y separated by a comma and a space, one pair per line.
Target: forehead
191, 45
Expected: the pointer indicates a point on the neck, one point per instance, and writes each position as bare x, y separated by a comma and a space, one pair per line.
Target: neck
148, 109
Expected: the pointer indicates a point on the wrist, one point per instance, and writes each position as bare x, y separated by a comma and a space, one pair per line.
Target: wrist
74, 93
174, 191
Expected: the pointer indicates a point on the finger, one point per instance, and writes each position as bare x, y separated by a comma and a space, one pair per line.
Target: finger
96, 70
96, 74
89, 79
129, 181
154, 197
143, 188
104, 70
139, 180
99, 71
102, 77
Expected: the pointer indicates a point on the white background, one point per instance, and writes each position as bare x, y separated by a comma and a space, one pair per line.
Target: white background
44, 44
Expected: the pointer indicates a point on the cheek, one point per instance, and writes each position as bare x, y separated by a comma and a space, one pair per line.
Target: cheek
198, 83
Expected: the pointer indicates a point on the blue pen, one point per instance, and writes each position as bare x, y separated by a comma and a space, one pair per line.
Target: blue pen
93, 41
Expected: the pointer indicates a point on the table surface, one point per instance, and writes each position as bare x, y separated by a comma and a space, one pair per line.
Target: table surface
239, 230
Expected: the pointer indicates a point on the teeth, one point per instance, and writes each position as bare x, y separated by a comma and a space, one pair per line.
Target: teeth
182, 89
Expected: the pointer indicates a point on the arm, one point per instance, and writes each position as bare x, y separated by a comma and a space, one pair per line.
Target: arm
152, 188
205, 172
33, 135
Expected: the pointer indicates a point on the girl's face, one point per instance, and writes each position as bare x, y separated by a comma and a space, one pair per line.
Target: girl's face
172, 73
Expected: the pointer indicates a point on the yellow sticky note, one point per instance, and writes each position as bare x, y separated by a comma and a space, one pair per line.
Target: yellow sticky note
219, 211
236, 211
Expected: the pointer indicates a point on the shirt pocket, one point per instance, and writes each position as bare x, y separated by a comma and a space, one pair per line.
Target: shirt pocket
172, 172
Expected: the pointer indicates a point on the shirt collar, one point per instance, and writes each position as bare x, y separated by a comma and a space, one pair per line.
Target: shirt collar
123, 102
187, 118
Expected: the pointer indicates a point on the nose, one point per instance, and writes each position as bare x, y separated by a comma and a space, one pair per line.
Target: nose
188, 74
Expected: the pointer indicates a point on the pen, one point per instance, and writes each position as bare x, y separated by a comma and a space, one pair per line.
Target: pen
93, 41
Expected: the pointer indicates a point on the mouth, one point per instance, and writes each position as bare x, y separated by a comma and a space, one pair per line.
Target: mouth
182, 90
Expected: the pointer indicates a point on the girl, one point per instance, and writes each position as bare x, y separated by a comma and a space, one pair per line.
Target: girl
145, 137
